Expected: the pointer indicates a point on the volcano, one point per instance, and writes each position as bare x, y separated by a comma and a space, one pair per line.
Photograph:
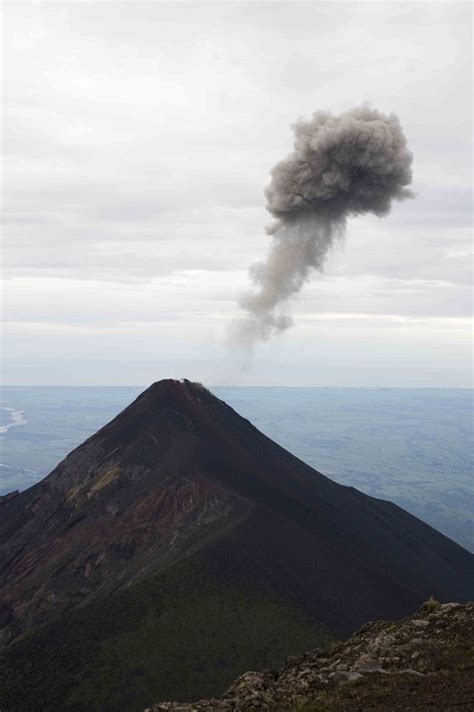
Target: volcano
179, 546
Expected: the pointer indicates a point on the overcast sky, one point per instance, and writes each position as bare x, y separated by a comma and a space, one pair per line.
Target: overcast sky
137, 141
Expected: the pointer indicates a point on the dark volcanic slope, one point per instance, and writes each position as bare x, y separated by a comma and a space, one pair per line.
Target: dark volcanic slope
179, 469
222, 551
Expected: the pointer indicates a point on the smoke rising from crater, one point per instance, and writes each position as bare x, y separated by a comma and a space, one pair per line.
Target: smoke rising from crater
341, 166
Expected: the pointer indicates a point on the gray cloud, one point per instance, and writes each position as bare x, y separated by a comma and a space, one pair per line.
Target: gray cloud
341, 166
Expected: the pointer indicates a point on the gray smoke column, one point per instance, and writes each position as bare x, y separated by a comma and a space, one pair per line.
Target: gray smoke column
344, 165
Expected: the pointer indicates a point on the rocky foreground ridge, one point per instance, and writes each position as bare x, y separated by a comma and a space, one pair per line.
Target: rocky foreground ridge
423, 662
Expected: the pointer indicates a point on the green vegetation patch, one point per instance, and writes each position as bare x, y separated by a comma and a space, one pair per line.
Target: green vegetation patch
177, 635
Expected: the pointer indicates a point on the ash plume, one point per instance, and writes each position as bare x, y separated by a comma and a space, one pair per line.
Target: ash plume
341, 166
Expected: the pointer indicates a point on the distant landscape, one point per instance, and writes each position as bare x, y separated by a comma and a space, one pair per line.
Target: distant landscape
411, 446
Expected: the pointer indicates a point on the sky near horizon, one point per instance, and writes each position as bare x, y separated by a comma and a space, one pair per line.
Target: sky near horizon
137, 141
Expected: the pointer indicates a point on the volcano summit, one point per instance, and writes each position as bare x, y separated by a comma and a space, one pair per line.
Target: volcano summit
179, 546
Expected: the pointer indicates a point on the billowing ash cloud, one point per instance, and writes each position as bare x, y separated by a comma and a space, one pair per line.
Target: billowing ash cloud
344, 165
